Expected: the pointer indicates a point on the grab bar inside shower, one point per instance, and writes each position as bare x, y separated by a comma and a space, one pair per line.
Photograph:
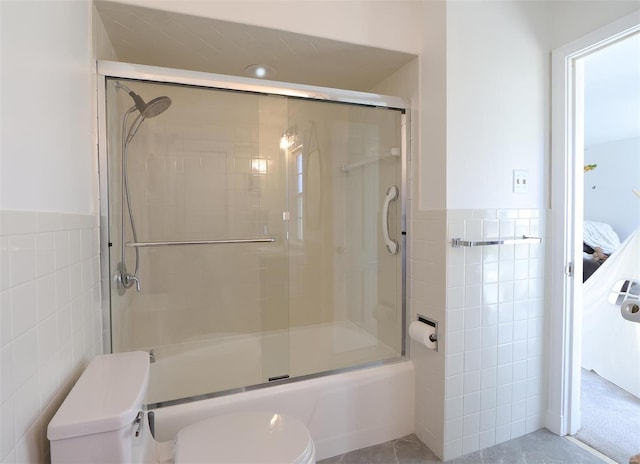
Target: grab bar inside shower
391, 195
457, 242
201, 242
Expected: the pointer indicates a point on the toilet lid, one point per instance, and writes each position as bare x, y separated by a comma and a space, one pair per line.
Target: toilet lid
251, 437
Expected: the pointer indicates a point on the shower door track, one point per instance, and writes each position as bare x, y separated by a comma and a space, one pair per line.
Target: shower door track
246, 84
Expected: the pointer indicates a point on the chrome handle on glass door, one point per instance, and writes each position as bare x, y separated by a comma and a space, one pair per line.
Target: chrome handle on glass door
392, 194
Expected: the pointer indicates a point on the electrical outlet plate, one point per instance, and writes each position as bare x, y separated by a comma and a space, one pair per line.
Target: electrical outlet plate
520, 181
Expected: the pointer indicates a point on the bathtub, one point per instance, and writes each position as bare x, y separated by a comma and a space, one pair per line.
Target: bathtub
343, 412
203, 366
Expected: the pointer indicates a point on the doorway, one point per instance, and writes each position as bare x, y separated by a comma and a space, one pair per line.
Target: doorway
607, 83
568, 199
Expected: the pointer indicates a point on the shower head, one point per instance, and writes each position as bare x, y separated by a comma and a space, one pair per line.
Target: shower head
147, 110
155, 107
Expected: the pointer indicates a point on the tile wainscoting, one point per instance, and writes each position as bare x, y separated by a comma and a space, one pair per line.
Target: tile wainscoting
485, 385
50, 321
494, 330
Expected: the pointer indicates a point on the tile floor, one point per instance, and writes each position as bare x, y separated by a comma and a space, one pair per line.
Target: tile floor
535, 448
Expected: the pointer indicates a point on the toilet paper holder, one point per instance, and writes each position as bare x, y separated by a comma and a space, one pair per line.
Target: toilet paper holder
425, 320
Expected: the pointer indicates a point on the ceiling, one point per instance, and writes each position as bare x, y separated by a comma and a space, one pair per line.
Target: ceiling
612, 92
160, 38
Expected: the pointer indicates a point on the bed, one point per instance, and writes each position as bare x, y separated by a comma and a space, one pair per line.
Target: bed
599, 242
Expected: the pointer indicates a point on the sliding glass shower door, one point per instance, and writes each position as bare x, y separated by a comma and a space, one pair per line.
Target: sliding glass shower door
345, 269
268, 235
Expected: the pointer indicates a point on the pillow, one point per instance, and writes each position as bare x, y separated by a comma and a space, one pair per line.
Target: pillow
599, 234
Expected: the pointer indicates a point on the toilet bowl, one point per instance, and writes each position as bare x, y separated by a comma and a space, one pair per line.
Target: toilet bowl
102, 421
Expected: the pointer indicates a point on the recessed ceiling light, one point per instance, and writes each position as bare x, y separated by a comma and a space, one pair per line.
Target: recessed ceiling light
261, 71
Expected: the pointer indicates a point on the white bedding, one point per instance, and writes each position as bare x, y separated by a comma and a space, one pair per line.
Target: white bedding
611, 344
599, 234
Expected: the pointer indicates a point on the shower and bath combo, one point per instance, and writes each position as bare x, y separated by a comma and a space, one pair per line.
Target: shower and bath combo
125, 279
328, 295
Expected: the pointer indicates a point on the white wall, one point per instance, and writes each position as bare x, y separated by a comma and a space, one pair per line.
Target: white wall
573, 19
47, 123
497, 87
432, 139
426, 252
49, 280
497, 102
608, 195
102, 47
497, 91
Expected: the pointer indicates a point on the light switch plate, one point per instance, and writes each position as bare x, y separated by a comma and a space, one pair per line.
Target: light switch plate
520, 181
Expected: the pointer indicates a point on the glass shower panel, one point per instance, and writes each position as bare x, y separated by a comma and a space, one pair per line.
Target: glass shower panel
345, 286
208, 168
302, 200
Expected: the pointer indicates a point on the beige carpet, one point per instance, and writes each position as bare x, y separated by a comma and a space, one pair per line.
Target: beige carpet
610, 418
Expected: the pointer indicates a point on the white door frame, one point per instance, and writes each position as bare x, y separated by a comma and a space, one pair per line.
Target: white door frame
563, 406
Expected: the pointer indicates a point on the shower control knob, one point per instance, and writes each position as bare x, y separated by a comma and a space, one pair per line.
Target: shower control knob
125, 280
131, 279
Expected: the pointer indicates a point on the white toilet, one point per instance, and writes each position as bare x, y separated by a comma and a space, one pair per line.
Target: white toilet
101, 421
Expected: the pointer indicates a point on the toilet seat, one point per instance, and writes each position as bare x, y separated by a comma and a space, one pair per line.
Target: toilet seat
251, 437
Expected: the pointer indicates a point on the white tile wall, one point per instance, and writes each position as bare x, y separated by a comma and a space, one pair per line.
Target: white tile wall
50, 321
494, 339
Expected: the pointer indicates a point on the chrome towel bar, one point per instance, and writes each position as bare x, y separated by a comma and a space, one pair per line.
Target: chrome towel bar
202, 242
457, 242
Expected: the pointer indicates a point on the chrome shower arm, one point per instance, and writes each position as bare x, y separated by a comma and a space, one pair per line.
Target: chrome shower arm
120, 85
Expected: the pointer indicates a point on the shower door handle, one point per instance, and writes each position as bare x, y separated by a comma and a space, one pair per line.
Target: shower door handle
392, 194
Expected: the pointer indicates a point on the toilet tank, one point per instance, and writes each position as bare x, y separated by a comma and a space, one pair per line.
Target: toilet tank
95, 423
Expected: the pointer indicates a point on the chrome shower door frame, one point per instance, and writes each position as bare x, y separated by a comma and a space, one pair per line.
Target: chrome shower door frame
109, 69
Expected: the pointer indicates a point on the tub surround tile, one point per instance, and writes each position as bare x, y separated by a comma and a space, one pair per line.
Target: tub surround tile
181, 165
